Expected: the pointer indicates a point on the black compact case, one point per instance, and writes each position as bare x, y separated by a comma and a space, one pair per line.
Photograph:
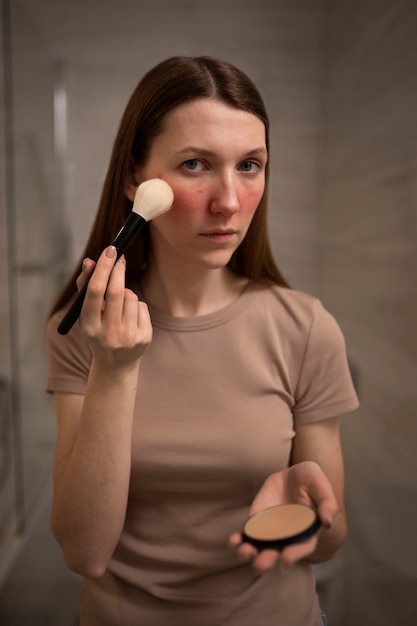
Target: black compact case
280, 526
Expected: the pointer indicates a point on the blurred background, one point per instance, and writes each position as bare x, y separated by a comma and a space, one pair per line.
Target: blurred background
339, 78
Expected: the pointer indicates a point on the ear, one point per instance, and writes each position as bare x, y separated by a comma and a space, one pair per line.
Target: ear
131, 182
130, 190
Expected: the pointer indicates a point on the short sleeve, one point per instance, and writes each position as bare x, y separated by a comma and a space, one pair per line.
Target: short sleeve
324, 388
69, 359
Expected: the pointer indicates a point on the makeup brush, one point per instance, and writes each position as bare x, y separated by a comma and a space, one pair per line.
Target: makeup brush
153, 198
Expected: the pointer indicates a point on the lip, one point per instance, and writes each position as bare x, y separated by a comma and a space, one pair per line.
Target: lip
220, 236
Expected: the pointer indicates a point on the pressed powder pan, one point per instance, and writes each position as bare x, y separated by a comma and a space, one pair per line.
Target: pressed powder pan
281, 526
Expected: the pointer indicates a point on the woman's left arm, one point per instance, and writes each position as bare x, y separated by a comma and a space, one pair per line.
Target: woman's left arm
316, 478
320, 442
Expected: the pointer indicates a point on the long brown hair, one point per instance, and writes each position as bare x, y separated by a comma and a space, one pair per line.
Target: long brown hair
166, 86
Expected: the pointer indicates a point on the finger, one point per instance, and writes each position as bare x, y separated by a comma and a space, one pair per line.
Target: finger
246, 552
265, 560
97, 286
136, 320
130, 309
287, 556
234, 540
87, 268
322, 494
296, 552
115, 293
144, 322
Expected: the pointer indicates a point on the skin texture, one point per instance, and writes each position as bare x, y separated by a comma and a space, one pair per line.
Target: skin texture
217, 173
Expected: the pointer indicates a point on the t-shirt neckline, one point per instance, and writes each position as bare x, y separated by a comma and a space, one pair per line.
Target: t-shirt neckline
163, 320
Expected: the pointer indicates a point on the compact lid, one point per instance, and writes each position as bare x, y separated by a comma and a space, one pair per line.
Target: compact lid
280, 526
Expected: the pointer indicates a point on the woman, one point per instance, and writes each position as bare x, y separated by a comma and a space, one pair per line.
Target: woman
203, 389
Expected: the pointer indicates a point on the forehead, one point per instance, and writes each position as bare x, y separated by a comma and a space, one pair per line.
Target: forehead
207, 117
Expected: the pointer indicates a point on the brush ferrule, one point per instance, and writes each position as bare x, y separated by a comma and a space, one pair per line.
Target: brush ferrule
128, 231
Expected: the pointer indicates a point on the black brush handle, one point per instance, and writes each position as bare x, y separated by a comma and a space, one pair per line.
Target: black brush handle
129, 230
73, 312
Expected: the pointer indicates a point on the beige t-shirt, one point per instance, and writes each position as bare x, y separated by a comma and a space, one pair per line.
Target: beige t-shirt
215, 409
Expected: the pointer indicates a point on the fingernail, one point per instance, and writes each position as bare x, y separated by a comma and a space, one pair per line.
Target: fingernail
83, 265
111, 252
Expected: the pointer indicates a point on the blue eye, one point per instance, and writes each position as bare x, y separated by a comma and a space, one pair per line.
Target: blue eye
191, 164
249, 166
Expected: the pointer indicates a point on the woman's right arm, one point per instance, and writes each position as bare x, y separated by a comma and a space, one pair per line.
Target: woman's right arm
93, 449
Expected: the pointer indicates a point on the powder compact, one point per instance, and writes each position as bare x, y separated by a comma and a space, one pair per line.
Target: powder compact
280, 526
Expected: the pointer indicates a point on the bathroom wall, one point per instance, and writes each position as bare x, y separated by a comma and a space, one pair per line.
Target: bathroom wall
29, 278
102, 48
101, 52
8, 483
339, 80
107, 50
367, 251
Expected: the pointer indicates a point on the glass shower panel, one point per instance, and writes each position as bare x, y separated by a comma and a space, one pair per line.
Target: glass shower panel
35, 250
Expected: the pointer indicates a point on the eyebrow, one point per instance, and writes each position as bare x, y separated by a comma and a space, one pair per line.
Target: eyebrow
205, 152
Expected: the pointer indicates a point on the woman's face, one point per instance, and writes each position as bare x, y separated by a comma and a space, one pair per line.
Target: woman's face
214, 157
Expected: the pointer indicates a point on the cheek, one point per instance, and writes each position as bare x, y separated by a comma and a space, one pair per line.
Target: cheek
250, 200
187, 205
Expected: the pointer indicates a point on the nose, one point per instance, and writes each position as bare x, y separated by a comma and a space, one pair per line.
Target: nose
225, 196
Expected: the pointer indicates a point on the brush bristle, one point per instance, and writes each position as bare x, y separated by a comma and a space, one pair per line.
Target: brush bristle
153, 198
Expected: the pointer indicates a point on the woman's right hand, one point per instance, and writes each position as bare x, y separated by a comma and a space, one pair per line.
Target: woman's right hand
114, 321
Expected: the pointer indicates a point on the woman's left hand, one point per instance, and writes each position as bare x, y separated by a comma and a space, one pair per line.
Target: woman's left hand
303, 483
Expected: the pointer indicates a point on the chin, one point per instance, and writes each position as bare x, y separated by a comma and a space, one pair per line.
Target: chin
216, 262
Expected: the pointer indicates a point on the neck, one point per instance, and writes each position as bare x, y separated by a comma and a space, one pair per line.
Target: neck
196, 292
